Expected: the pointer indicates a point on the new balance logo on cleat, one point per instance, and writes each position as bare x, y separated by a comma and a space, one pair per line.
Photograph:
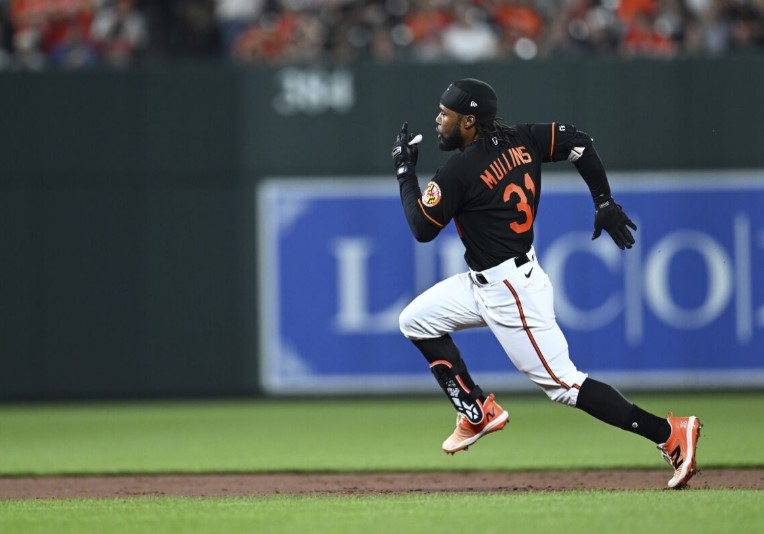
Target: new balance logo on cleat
467, 433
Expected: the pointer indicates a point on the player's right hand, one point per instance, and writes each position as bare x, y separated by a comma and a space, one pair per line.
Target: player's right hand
405, 155
609, 216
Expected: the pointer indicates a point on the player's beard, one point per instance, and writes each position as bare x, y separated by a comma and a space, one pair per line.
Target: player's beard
450, 142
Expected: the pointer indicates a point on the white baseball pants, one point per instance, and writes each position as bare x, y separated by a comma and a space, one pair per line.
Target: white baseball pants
516, 303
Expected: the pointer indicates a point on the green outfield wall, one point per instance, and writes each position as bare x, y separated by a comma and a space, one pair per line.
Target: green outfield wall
127, 221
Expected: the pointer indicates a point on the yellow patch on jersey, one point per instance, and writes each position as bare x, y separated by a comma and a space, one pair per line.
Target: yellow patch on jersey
431, 195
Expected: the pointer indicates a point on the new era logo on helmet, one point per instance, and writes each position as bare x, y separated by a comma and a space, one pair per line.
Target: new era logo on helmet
473, 104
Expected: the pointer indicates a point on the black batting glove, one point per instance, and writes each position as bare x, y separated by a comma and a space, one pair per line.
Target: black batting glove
609, 216
404, 154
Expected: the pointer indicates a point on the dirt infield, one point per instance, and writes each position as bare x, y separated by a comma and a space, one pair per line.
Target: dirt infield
76, 487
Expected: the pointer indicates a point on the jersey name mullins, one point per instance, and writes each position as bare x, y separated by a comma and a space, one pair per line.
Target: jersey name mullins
500, 167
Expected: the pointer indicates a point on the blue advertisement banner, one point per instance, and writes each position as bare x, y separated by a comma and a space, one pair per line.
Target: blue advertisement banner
683, 309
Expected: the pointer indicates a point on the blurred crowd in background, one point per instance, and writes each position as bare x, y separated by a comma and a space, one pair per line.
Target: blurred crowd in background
77, 34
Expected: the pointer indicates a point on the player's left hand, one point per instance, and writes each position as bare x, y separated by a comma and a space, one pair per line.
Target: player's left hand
405, 151
609, 216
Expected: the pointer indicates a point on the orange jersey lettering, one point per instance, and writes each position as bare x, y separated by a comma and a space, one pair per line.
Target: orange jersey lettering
501, 166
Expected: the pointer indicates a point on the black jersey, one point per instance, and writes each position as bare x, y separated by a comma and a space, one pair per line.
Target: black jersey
492, 189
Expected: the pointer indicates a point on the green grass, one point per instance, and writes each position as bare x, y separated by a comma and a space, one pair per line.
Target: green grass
369, 434
574, 512
350, 434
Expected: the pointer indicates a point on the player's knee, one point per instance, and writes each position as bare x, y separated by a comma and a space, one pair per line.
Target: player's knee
563, 395
409, 325
415, 325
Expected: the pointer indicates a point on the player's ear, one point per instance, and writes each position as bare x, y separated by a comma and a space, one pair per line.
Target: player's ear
469, 121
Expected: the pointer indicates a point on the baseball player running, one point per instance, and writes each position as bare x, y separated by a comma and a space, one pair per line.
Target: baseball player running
490, 188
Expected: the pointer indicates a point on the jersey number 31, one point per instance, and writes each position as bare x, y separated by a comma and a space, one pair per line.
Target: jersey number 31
523, 206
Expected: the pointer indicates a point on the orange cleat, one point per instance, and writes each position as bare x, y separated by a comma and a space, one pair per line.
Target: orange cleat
679, 450
466, 433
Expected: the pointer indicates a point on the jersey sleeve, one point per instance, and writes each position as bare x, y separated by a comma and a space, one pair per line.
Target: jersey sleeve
560, 141
557, 140
430, 210
423, 227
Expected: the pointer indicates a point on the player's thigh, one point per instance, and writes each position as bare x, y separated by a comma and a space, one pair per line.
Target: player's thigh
446, 307
522, 319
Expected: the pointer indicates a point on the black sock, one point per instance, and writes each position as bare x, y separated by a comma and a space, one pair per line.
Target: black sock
648, 425
451, 373
444, 348
608, 405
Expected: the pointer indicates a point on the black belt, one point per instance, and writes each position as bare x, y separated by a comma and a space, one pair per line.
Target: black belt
520, 260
